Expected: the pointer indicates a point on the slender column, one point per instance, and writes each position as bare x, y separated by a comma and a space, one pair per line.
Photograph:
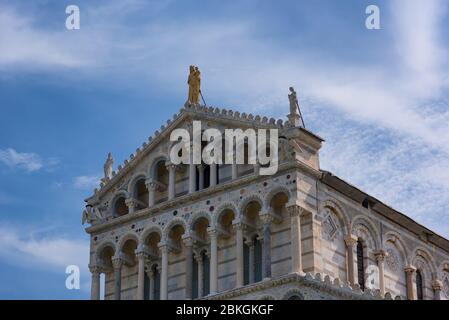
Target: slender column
296, 245
117, 263
150, 274
213, 261
95, 287
200, 177
199, 259
188, 243
151, 186
141, 256
213, 174
350, 241
250, 244
234, 169
171, 180
409, 273
239, 248
437, 286
267, 219
380, 257
256, 169
164, 273
131, 204
192, 177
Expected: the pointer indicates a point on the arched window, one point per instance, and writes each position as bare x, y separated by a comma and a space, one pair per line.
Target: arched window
120, 207
194, 278
245, 264
206, 272
360, 265
295, 297
419, 285
146, 287
257, 260
157, 283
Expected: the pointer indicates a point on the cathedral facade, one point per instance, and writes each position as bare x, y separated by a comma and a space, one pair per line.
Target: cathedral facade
161, 230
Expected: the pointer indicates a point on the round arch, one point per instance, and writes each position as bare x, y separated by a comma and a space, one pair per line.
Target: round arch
339, 211
248, 200
132, 182
293, 293
173, 223
196, 216
103, 245
422, 253
148, 231
152, 167
221, 209
274, 192
361, 222
397, 241
117, 195
126, 237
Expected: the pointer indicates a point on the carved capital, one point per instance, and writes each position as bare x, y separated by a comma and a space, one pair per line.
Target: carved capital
163, 248
437, 285
131, 203
212, 232
95, 269
410, 270
188, 241
117, 262
380, 255
142, 251
350, 240
239, 226
170, 166
151, 184
266, 218
295, 211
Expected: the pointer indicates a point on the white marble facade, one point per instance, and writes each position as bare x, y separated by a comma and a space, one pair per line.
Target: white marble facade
162, 231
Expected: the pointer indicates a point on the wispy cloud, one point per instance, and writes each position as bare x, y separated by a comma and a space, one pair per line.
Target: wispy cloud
40, 251
23, 43
27, 161
86, 182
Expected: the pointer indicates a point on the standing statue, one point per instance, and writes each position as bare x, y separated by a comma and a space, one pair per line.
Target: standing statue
108, 167
194, 82
293, 101
92, 215
295, 117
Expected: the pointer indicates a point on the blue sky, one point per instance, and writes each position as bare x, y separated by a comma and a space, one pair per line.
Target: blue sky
378, 97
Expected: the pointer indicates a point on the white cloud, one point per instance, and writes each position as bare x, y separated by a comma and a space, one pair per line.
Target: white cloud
23, 43
50, 253
86, 182
28, 161
406, 174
